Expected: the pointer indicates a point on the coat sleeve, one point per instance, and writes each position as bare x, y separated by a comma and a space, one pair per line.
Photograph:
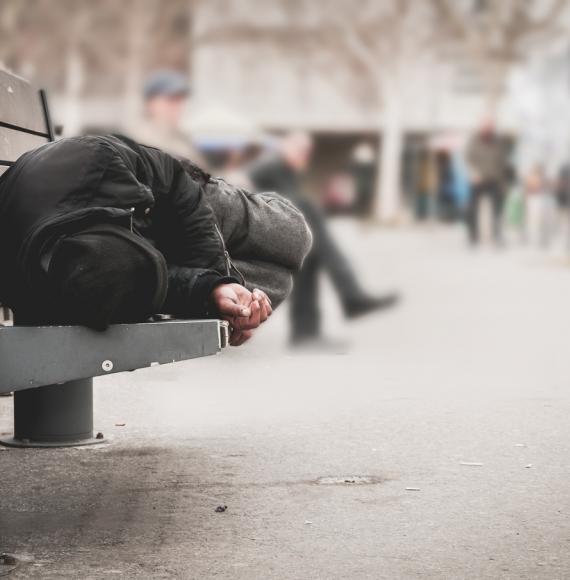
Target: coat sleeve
193, 246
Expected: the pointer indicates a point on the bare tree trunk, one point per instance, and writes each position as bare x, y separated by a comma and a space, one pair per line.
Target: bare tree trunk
72, 92
74, 77
389, 189
137, 30
495, 78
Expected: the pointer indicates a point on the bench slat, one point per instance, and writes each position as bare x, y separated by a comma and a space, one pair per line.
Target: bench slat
14, 143
21, 104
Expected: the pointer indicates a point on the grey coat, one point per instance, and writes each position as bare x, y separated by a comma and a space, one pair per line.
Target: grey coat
266, 236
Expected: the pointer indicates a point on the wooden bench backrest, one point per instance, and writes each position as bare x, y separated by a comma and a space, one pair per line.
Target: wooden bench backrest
24, 125
24, 119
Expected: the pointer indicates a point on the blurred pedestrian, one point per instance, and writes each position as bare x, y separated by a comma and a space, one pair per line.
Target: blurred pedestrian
461, 189
563, 188
363, 169
563, 201
428, 184
515, 206
283, 172
166, 94
540, 207
488, 162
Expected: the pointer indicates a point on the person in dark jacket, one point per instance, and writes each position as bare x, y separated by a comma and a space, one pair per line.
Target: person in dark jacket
283, 173
100, 230
488, 163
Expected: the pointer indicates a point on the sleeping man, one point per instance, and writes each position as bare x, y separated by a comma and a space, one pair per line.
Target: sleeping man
102, 230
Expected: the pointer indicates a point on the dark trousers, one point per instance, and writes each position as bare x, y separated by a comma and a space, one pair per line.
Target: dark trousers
325, 255
494, 192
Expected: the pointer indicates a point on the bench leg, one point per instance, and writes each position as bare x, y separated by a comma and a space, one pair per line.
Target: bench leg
54, 416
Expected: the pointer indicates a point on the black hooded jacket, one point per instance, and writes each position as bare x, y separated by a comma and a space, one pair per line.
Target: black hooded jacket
64, 186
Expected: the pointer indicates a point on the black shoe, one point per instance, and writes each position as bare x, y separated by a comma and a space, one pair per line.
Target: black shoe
367, 304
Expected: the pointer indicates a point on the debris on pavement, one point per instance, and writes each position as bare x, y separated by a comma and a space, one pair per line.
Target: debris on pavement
7, 560
221, 509
349, 480
120, 424
471, 463
529, 466
520, 445
8, 564
413, 489
308, 523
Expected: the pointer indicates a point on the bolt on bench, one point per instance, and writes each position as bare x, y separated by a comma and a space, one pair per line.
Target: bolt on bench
50, 369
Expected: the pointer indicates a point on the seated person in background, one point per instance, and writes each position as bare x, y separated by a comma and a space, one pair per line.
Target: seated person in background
101, 230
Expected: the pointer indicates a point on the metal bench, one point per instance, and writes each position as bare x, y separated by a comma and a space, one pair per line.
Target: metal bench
50, 369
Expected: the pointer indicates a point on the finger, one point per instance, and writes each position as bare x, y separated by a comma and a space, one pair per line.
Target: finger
243, 295
238, 337
255, 319
260, 293
235, 337
264, 300
263, 312
269, 308
252, 322
228, 308
245, 336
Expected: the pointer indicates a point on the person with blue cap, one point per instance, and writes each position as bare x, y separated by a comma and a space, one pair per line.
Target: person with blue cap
165, 101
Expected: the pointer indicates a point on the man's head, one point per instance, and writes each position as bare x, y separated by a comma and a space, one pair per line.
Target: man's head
105, 274
487, 127
297, 150
165, 95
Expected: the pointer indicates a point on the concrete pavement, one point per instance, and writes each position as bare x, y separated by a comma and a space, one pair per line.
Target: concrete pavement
436, 447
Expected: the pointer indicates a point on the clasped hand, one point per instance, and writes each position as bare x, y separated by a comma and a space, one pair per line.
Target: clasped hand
244, 310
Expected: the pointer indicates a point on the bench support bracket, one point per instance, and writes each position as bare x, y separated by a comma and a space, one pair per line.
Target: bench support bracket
54, 416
